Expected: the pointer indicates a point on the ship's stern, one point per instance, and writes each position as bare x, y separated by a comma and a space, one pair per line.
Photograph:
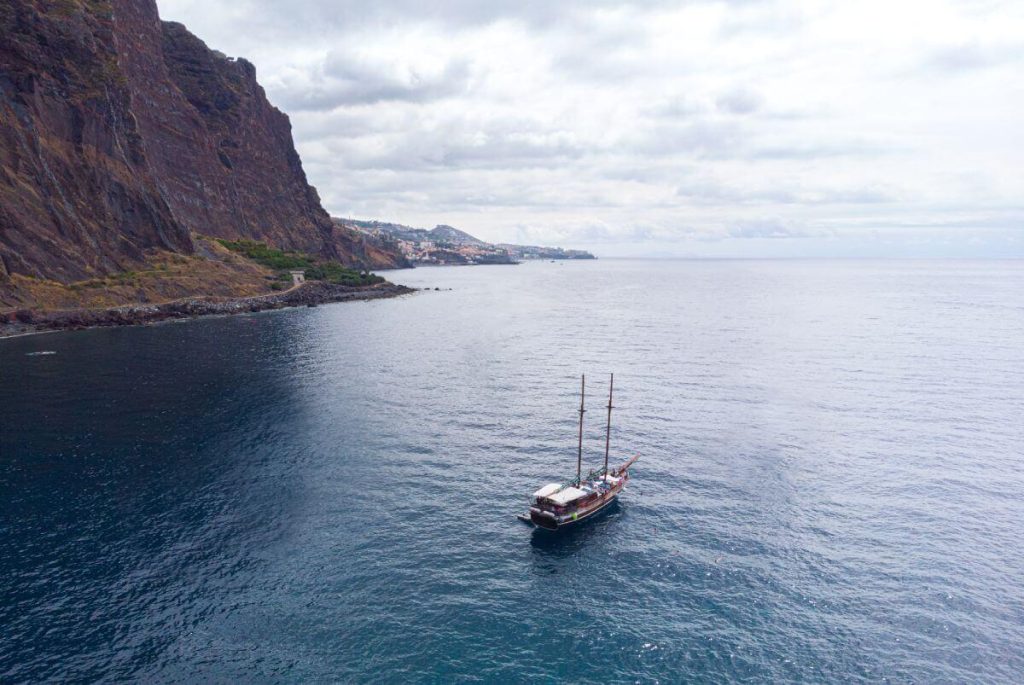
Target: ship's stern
543, 519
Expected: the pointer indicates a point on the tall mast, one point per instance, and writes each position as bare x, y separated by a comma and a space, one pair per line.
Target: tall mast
579, 455
608, 433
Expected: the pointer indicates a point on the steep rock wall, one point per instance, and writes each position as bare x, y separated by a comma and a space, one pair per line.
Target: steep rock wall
77, 197
121, 134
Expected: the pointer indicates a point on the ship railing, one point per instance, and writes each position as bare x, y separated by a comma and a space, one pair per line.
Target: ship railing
593, 475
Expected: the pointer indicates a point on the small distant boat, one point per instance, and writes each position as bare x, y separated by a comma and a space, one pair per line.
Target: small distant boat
560, 505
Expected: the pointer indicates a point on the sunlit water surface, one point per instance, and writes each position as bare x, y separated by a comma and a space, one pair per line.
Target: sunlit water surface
830, 486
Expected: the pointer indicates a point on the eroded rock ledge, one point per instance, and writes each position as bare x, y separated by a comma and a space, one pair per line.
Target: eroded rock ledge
309, 294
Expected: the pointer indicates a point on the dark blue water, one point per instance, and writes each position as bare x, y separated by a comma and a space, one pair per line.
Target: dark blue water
831, 485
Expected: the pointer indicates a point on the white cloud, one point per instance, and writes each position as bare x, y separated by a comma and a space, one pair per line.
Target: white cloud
703, 127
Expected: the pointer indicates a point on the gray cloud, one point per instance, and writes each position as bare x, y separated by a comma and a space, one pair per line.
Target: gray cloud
712, 192
973, 55
348, 79
739, 101
676, 107
774, 229
695, 139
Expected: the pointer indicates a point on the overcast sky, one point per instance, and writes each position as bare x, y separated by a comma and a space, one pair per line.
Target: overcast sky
741, 128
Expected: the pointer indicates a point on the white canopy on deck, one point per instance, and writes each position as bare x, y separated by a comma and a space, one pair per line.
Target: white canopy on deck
547, 490
569, 494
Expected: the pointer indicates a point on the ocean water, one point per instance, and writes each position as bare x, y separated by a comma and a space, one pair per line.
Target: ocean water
831, 483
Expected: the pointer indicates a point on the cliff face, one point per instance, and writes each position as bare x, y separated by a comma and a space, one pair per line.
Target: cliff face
386, 254
76, 194
121, 134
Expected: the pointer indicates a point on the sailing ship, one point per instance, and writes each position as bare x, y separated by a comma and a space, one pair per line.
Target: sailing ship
560, 505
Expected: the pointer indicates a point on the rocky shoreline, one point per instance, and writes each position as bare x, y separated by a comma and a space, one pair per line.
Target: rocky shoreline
311, 293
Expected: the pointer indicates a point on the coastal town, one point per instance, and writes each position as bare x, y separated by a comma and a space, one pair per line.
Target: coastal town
446, 245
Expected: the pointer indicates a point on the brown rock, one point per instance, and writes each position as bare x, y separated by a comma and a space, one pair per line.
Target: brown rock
120, 134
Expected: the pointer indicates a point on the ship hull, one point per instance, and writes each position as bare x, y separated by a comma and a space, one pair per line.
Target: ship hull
548, 521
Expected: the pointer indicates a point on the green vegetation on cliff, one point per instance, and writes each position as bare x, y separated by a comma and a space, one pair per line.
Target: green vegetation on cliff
316, 269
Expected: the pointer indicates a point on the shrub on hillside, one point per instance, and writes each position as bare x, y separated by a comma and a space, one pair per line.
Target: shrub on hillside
268, 256
331, 272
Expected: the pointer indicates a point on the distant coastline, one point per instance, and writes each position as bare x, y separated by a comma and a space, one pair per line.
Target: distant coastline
446, 245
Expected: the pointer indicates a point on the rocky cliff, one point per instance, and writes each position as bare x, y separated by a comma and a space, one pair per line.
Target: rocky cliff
122, 136
386, 253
